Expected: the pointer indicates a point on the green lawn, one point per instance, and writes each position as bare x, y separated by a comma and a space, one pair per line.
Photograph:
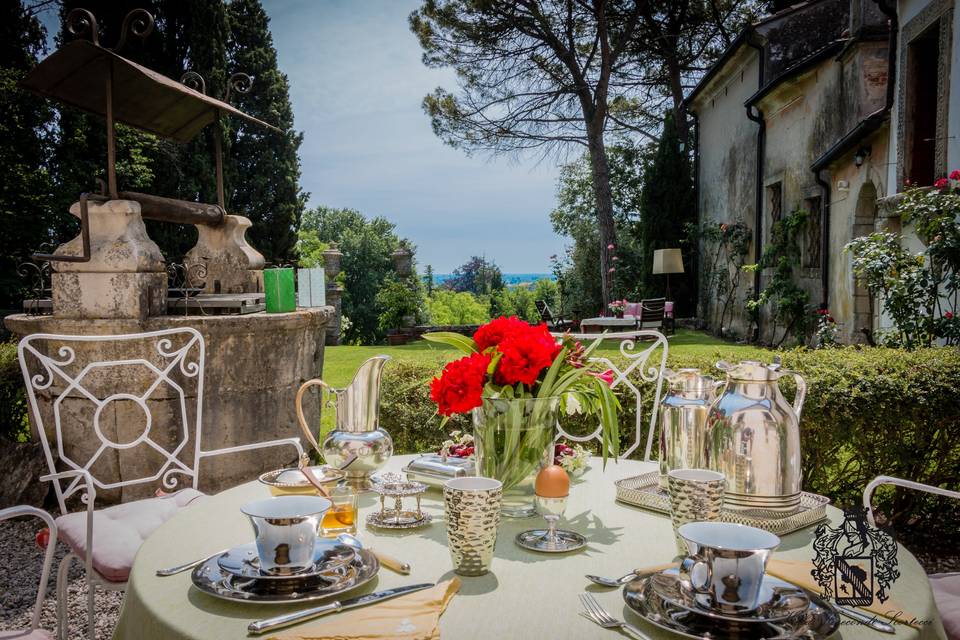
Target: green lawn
341, 362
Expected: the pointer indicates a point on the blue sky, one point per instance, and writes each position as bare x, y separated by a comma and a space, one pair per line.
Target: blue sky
356, 86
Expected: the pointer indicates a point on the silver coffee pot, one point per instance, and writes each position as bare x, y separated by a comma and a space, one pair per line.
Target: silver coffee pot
753, 438
357, 429
683, 419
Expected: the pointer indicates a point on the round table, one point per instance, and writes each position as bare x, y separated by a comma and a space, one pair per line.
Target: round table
597, 325
526, 595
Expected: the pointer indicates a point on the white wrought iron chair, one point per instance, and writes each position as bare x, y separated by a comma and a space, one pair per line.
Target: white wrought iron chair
165, 380
35, 632
945, 586
635, 348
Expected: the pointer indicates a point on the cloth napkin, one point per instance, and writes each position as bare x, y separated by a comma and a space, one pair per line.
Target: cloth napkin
797, 572
415, 616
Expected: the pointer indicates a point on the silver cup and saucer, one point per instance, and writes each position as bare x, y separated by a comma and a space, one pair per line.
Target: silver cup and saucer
287, 561
721, 589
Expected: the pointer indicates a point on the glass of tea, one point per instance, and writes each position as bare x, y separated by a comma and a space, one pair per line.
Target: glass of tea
342, 516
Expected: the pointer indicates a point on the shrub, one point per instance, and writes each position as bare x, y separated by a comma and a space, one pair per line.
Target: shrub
14, 424
446, 307
868, 412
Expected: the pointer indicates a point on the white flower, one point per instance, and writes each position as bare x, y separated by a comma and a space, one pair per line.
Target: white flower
573, 405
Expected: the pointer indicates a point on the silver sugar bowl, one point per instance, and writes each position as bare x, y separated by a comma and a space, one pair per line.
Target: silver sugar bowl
357, 424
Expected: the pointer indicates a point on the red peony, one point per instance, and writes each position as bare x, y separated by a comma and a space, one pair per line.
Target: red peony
941, 183
525, 354
494, 332
460, 387
948, 315
955, 174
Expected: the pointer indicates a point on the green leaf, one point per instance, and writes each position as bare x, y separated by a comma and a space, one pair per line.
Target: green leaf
461, 342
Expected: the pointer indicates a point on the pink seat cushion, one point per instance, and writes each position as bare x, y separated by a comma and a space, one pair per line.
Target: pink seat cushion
946, 593
632, 309
668, 309
119, 531
26, 634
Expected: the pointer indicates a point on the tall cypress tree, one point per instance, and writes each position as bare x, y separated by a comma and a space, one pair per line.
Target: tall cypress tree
24, 149
666, 206
265, 167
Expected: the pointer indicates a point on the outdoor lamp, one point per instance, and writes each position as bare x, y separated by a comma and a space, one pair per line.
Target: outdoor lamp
667, 261
861, 155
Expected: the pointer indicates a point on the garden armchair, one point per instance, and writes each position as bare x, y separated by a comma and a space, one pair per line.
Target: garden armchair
34, 632
139, 413
554, 323
651, 313
945, 586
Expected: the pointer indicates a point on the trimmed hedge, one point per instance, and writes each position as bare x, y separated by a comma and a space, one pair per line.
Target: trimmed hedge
869, 412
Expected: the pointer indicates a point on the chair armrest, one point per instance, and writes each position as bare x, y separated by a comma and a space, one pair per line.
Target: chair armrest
294, 442
899, 482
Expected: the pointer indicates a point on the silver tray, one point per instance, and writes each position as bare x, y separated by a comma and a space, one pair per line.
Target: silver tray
212, 580
818, 621
644, 491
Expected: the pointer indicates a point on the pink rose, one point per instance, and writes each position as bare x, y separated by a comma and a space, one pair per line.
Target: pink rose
955, 174
941, 183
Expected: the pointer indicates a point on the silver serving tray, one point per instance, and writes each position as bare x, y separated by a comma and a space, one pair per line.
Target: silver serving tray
212, 580
644, 491
818, 621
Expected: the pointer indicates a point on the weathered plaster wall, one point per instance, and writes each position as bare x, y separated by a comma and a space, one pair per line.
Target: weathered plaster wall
728, 166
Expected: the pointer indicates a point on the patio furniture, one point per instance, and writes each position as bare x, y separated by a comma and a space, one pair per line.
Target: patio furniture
652, 312
34, 632
601, 324
554, 323
154, 398
524, 596
643, 365
945, 586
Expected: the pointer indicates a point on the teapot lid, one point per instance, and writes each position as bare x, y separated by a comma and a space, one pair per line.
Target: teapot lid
752, 370
689, 380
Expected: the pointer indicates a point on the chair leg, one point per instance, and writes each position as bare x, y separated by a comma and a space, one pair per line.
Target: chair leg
91, 592
63, 611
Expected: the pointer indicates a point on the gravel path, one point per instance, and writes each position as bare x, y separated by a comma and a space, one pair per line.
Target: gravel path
21, 562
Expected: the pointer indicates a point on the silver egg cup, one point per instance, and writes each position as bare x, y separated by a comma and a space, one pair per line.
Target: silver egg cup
551, 539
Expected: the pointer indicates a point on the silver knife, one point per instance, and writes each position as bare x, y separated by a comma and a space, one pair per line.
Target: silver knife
871, 621
269, 624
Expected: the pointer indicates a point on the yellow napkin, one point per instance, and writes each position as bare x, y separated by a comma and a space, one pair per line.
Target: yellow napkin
798, 572
411, 617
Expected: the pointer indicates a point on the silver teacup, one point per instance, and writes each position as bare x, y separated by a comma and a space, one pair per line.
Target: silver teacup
286, 531
726, 564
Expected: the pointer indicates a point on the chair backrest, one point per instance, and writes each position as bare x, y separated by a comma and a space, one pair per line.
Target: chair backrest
652, 310
125, 407
644, 364
24, 510
544, 310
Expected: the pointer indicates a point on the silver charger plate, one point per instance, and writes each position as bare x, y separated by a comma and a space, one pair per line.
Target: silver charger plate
242, 561
818, 621
212, 580
780, 599
536, 540
644, 491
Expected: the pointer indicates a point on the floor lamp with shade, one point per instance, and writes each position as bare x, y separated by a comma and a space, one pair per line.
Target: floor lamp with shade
667, 261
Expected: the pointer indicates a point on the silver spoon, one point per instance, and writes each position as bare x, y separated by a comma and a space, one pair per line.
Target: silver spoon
614, 583
386, 560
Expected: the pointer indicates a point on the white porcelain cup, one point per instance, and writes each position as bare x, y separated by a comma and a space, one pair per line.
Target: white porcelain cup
725, 564
286, 531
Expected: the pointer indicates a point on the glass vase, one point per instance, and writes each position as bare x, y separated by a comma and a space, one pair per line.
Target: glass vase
514, 440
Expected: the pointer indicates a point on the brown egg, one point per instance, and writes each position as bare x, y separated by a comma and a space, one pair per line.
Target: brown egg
552, 482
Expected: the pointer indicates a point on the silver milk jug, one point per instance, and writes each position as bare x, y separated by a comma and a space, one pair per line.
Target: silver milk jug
683, 419
357, 429
753, 438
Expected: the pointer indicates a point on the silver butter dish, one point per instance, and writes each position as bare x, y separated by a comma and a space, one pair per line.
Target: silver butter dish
434, 470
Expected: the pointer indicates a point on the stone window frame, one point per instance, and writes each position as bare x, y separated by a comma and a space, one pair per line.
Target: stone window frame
941, 10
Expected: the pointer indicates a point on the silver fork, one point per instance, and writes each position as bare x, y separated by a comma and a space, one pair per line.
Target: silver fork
597, 614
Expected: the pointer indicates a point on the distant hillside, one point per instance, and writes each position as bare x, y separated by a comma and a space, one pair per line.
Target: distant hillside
510, 279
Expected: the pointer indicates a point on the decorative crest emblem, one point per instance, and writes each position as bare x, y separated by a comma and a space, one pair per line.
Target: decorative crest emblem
854, 563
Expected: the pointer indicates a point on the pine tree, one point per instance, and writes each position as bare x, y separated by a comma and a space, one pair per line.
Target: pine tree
666, 206
24, 149
265, 167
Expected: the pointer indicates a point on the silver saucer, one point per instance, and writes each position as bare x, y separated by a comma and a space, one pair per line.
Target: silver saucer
212, 580
391, 519
817, 621
780, 599
537, 540
243, 562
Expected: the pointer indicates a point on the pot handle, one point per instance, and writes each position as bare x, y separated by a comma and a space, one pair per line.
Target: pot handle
801, 391
315, 382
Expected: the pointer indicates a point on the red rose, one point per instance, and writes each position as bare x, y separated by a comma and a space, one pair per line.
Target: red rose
941, 183
494, 332
460, 387
948, 315
955, 174
525, 354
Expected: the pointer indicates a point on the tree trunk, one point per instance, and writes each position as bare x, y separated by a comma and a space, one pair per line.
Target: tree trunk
600, 172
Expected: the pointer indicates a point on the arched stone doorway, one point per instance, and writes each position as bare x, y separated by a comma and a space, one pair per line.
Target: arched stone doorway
864, 223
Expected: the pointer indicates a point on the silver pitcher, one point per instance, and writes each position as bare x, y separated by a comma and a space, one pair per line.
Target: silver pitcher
357, 424
683, 419
753, 438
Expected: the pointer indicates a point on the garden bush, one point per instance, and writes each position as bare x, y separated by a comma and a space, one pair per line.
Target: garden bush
13, 402
869, 412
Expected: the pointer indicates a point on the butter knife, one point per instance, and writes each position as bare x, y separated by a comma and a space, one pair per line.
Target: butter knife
269, 624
